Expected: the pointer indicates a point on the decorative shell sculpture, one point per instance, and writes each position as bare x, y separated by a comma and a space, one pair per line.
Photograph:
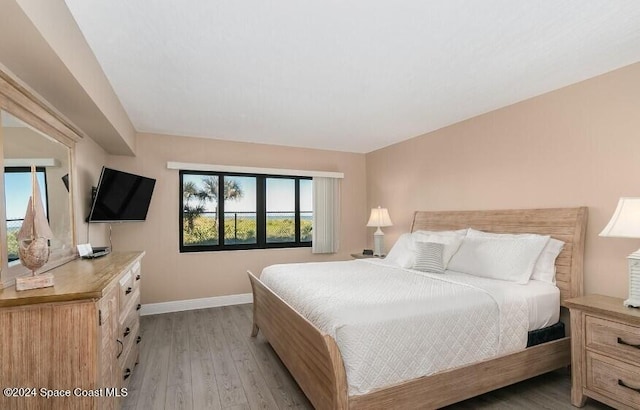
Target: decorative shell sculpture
33, 237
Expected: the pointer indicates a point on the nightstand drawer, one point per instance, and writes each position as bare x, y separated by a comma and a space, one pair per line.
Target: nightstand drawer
616, 339
614, 379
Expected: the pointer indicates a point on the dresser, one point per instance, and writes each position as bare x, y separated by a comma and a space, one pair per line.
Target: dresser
605, 351
74, 345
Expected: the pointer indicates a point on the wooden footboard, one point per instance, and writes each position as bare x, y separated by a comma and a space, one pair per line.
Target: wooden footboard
312, 358
451, 386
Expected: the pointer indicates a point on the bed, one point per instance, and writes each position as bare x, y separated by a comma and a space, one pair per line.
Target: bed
312, 355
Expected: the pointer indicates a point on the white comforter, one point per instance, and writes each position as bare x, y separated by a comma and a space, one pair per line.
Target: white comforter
393, 324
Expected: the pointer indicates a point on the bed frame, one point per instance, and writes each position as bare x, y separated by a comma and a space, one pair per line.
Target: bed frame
314, 360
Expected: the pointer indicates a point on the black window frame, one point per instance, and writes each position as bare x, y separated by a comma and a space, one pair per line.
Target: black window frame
261, 214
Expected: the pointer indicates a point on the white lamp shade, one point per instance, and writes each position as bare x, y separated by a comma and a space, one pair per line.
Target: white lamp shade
379, 217
625, 222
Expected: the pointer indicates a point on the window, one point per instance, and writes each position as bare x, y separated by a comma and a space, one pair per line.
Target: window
17, 185
222, 211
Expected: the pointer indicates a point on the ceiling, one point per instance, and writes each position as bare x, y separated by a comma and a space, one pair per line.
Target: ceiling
345, 75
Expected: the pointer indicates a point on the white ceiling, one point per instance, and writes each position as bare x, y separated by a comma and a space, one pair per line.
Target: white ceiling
345, 75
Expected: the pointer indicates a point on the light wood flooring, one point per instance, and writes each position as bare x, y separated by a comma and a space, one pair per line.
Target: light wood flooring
205, 359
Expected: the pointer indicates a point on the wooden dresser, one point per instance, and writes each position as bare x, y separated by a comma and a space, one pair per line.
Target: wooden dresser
76, 342
605, 350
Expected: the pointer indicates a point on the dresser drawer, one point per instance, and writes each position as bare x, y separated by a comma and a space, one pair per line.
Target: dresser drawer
129, 327
128, 343
132, 310
132, 317
126, 291
616, 339
130, 362
614, 379
136, 273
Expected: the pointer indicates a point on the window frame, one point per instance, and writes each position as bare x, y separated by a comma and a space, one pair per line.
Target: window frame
261, 214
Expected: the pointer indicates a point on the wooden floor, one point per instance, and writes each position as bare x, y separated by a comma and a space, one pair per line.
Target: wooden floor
205, 359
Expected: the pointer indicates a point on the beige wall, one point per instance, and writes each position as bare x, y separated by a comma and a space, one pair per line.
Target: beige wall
170, 275
576, 146
89, 159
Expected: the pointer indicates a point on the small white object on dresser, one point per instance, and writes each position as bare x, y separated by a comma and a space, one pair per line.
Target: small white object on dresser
605, 351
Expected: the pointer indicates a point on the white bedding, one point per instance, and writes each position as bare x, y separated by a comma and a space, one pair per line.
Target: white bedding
393, 324
543, 298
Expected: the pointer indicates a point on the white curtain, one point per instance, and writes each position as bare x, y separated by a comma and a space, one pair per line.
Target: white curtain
326, 215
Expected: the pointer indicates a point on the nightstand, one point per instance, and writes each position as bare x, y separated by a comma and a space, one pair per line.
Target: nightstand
605, 351
361, 256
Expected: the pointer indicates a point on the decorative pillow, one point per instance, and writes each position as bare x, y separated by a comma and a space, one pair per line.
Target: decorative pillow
429, 257
450, 239
402, 253
510, 259
545, 267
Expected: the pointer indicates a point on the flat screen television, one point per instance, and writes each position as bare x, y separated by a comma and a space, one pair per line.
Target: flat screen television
121, 197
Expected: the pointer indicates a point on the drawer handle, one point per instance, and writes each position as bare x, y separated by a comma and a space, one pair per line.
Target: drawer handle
138, 306
126, 332
138, 339
121, 348
622, 342
127, 373
138, 277
126, 292
623, 384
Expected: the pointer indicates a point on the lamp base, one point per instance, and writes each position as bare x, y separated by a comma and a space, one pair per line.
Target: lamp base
634, 280
378, 243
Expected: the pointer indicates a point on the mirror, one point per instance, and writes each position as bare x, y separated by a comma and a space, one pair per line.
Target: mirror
22, 147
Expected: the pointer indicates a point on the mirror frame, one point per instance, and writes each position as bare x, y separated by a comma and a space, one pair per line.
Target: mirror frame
17, 99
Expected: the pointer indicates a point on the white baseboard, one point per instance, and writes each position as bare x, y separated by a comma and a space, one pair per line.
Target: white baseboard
192, 304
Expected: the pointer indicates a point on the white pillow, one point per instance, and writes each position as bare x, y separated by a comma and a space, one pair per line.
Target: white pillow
450, 239
429, 257
402, 253
510, 259
545, 267
459, 232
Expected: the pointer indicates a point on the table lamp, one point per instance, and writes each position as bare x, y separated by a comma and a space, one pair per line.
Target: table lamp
379, 218
625, 223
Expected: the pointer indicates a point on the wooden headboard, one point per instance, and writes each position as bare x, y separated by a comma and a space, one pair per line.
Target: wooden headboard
565, 224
